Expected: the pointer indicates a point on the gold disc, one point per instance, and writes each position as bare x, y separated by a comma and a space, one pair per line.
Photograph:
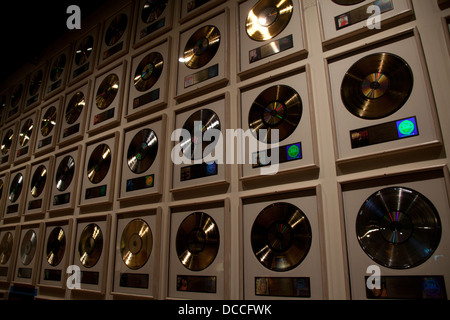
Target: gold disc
7, 141
148, 71
75, 107
25, 132
48, 122
38, 181
201, 47
99, 163
107, 91
281, 236
377, 86
56, 246
6, 247
28, 247
197, 241
268, 18
136, 244
90, 245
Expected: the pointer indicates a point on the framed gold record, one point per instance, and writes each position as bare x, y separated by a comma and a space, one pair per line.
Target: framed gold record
343, 21
200, 145
137, 253
4, 183
64, 180
106, 104
149, 79
57, 72
374, 112
28, 254
9, 239
55, 253
48, 125
143, 153
203, 56
16, 192
398, 222
90, 252
154, 18
8, 144
279, 118
15, 99
84, 55
35, 87
198, 243
115, 37
26, 136
98, 172
270, 33
74, 114
38, 188
274, 226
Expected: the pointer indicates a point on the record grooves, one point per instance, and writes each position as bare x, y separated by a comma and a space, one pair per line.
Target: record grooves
107, 91
6, 247
201, 47
136, 244
398, 228
28, 247
148, 71
90, 245
56, 246
142, 151
99, 163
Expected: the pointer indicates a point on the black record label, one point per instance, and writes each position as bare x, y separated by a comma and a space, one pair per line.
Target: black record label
152, 10
377, 86
197, 241
142, 151
208, 119
281, 236
277, 107
148, 71
90, 245
268, 18
38, 181
64, 173
201, 47
398, 228
56, 246
99, 163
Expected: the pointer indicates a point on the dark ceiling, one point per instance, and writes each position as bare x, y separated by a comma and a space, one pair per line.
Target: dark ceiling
28, 27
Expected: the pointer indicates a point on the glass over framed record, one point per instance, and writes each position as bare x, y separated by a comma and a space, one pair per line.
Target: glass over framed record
398, 228
99, 163
90, 245
136, 244
142, 150
56, 246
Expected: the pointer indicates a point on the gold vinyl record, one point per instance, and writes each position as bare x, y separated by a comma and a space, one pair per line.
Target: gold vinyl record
377, 86
90, 245
194, 149
99, 163
38, 181
197, 241
25, 133
75, 107
398, 228
56, 246
15, 188
142, 151
116, 29
281, 236
277, 107
58, 67
7, 141
152, 10
28, 247
107, 91
64, 173
16, 95
84, 50
347, 2
148, 71
136, 244
268, 18
35, 82
6, 247
201, 47
48, 122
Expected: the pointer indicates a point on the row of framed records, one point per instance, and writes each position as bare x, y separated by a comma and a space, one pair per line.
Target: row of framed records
398, 223
270, 34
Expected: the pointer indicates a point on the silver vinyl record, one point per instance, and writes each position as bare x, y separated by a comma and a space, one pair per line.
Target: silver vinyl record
398, 228
28, 247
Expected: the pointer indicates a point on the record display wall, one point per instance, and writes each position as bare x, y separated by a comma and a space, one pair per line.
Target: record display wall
88, 175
